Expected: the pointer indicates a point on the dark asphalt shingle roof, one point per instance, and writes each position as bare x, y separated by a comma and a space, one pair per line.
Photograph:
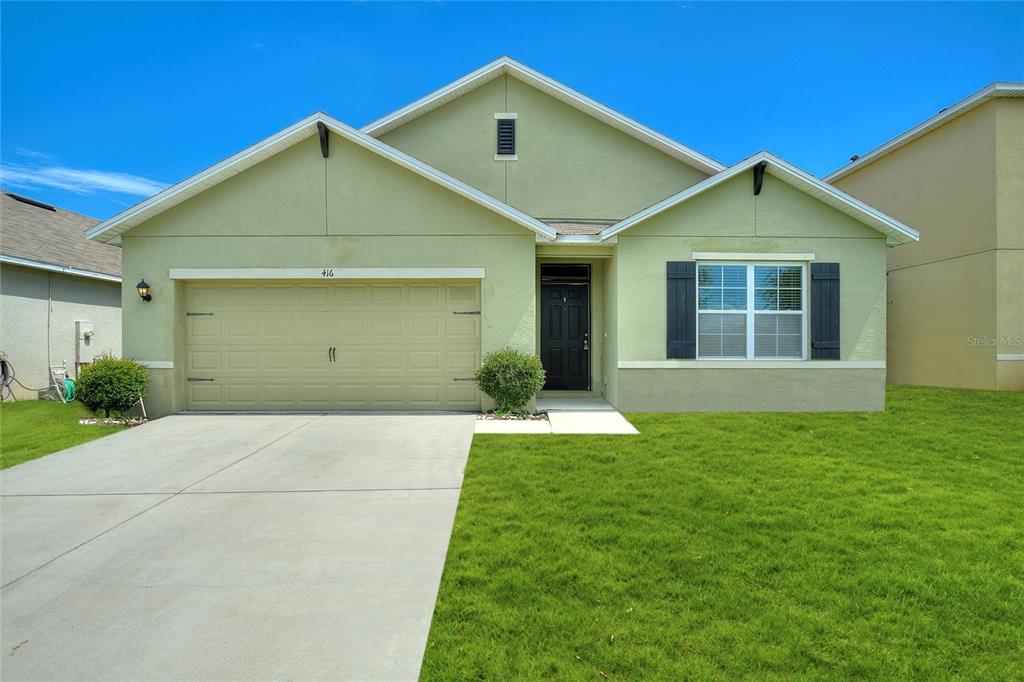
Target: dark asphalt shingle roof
53, 236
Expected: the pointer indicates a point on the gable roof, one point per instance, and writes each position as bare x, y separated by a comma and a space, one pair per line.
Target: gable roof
895, 231
37, 235
111, 229
993, 91
508, 66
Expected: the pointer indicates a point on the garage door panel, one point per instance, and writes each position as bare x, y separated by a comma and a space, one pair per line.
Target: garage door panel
424, 360
396, 345
461, 361
425, 328
464, 327
462, 294
387, 294
280, 394
202, 328
425, 294
351, 295
204, 360
204, 396
280, 359
278, 329
312, 329
462, 396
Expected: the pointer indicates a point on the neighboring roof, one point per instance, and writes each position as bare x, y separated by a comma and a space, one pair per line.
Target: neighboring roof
579, 226
993, 91
591, 107
895, 231
110, 230
37, 235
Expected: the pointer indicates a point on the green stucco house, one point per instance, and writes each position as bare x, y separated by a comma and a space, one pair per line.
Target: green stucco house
330, 268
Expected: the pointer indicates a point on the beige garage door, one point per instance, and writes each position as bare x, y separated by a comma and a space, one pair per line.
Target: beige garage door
350, 345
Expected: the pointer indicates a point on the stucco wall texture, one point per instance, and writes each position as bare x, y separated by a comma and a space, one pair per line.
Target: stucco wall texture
299, 210
38, 310
730, 219
570, 165
956, 298
356, 209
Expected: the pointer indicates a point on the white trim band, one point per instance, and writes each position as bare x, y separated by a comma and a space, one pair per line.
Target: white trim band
1010, 356
751, 364
713, 255
507, 157
53, 267
327, 273
504, 116
156, 364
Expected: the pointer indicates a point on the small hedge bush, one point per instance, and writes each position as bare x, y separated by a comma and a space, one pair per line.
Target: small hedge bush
111, 383
510, 377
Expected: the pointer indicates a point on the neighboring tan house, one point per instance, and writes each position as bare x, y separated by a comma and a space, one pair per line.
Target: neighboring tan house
956, 299
333, 268
60, 294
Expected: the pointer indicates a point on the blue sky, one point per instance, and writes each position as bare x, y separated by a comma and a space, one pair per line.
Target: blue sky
103, 104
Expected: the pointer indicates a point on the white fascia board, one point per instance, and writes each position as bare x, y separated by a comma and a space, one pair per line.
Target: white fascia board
580, 239
53, 267
321, 273
895, 231
993, 91
579, 101
470, 81
113, 227
716, 255
751, 364
122, 222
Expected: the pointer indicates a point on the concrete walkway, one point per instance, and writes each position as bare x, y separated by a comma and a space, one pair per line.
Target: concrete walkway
565, 415
231, 547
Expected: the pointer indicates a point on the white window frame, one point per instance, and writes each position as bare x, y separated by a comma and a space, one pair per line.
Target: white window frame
750, 311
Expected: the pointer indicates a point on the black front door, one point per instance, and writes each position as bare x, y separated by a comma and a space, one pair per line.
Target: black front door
565, 336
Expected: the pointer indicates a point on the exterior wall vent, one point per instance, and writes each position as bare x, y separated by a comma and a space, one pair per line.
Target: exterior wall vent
506, 136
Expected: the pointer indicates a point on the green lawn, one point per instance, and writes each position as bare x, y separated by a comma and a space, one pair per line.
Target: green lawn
33, 428
756, 546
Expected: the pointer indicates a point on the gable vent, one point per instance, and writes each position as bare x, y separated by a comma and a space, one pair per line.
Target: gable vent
506, 136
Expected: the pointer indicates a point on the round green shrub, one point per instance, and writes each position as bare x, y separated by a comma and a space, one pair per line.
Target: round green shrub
111, 383
510, 377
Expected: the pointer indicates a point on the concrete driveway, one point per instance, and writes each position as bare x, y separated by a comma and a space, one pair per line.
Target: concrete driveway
228, 547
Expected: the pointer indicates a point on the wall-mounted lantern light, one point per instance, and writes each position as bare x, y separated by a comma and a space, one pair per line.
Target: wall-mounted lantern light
143, 288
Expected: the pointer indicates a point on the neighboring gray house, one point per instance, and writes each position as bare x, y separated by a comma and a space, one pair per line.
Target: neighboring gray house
60, 294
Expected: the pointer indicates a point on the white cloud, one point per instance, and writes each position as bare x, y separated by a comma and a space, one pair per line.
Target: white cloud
79, 181
32, 154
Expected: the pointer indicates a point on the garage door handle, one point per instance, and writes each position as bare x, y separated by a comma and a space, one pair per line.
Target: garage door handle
466, 312
464, 379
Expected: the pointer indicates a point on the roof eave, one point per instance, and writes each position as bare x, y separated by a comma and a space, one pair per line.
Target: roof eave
114, 227
895, 231
995, 90
55, 267
507, 65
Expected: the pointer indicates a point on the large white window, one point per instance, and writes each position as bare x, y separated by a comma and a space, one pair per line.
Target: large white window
750, 311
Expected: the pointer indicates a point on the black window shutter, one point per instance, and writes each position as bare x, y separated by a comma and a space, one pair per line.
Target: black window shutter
506, 136
824, 311
682, 309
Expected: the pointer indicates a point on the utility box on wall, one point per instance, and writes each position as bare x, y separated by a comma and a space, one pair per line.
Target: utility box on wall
86, 347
